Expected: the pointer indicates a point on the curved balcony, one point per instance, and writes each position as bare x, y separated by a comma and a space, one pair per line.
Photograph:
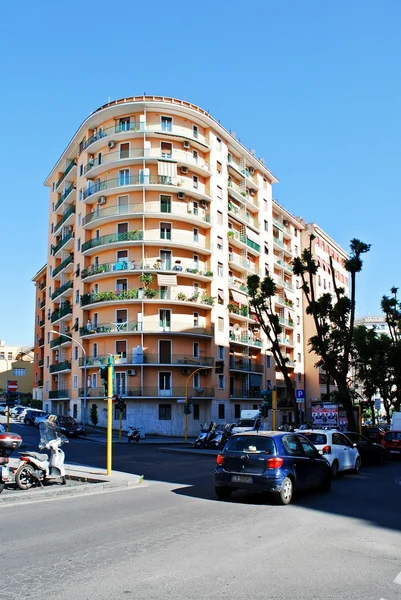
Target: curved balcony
241, 194
287, 323
122, 158
152, 392
147, 328
178, 240
284, 302
61, 367
67, 265
240, 313
64, 290
150, 295
66, 242
63, 314
66, 219
111, 213
281, 264
245, 339
129, 266
131, 183
180, 360
280, 282
242, 264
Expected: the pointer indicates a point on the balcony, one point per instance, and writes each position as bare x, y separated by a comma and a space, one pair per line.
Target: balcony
42, 304
286, 323
285, 341
147, 295
147, 327
66, 242
65, 219
113, 238
64, 196
58, 341
41, 342
42, 285
40, 363
281, 264
236, 236
153, 392
64, 290
246, 394
245, 365
242, 215
278, 242
70, 167
59, 394
134, 266
242, 338
241, 263
241, 194
181, 360
42, 323
63, 265
60, 314
287, 303
283, 283
61, 367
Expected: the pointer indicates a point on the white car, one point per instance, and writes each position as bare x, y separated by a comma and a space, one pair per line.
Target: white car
339, 451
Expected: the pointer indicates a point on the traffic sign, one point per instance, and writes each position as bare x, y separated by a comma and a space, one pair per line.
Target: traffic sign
12, 386
300, 396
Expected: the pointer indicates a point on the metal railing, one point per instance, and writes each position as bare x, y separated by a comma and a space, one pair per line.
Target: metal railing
146, 153
112, 238
181, 360
245, 339
146, 327
62, 242
129, 265
58, 314
63, 264
121, 211
62, 366
64, 218
64, 195
55, 394
64, 175
147, 294
101, 186
152, 392
244, 365
61, 339
66, 286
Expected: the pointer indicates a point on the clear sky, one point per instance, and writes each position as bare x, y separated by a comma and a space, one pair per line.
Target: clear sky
314, 86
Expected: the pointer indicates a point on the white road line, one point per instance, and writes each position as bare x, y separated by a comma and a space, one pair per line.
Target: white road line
398, 579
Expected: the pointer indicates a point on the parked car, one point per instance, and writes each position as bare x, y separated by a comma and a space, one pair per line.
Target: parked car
392, 443
270, 461
30, 416
16, 410
67, 425
341, 453
369, 451
2, 428
40, 419
373, 433
3, 407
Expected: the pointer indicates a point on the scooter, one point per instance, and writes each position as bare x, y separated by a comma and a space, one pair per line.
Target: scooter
206, 432
134, 435
37, 468
220, 437
8, 443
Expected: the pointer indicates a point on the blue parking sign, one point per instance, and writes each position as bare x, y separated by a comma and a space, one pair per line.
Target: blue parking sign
300, 395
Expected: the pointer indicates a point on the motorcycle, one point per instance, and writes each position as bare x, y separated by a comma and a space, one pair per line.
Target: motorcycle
220, 437
8, 443
206, 432
38, 468
134, 435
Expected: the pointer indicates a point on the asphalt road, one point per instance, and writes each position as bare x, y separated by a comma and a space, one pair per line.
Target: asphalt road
171, 538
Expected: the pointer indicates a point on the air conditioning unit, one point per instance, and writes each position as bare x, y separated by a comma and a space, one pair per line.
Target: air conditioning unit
131, 372
186, 145
181, 195
184, 170
111, 144
252, 192
185, 371
251, 170
203, 203
102, 200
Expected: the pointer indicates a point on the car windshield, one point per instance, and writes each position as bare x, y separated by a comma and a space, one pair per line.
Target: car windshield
316, 438
246, 423
66, 421
251, 443
391, 436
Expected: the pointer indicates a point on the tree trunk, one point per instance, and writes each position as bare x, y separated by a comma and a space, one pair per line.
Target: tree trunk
372, 411
345, 400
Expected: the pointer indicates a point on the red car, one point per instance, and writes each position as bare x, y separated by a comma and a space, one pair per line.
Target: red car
392, 443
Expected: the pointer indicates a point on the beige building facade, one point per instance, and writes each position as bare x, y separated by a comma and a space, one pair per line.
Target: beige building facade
16, 365
157, 215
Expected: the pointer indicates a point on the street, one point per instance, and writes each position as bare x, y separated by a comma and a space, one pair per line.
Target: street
172, 538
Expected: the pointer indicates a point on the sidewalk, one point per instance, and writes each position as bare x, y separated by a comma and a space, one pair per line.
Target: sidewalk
100, 436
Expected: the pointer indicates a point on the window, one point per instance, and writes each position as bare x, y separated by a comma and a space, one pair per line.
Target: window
36, 378
298, 320
268, 361
220, 324
319, 280
166, 149
220, 296
166, 125
296, 250
2, 355
196, 380
121, 285
47, 386
80, 195
308, 448
123, 177
94, 350
195, 412
19, 372
196, 235
295, 232
196, 351
266, 225
219, 243
324, 283
9, 355
122, 254
121, 348
297, 284
299, 357
121, 315
195, 131
195, 181
196, 261
220, 352
165, 231
165, 204
266, 249
76, 296
49, 292
220, 382
292, 445
51, 228
222, 411
219, 193
164, 412
78, 244
297, 301
218, 167
75, 352
298, 338
75, 384
265, 205
299, 377
196, 319
94, 380
220, 269
219, 218
237, 411
195, 156
218, 143
47, 361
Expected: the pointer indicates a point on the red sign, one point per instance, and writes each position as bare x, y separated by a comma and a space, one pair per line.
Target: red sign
12, 386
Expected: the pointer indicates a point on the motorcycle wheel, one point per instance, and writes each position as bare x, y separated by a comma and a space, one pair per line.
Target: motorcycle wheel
24, 477
2, 487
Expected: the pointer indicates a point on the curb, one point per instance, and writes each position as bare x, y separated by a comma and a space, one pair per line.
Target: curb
197, 451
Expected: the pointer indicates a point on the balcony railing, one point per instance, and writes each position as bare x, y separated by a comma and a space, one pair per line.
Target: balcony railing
61, 339
183, 360
286, 322
150, 294
284, 265
42, 304
252, 393
58, 314
41, 342
64, 195
129, 265
107, 184
62, 242
146, 153
147, 327
152, 392
238, 310
148, 209
242, 262
42, 323
55, 394
40, 363
68, 285
63, 265
64, 218
42, 285
285, 341
284, 302
245, 339
236, 235
242, 214
62, 366
278, 242
68, 169
244, 365
112, 238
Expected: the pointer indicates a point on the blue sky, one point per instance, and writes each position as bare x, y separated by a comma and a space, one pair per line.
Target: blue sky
313, 86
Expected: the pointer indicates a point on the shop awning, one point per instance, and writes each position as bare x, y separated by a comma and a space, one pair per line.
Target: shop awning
239, 297
166, 280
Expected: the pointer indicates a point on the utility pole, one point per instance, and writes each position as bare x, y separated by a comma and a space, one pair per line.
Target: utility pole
110, 378
274, 408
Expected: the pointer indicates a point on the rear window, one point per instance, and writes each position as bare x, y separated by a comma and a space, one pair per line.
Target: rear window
246, 423
316, 438
251, 443
393, 435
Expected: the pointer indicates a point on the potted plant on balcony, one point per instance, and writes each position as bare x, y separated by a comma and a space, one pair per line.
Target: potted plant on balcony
157, 265
208, 273
207, 299
231, 233
181, 296
149, 293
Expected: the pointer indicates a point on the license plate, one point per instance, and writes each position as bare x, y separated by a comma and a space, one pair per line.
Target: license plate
395, 451
241, 479
5, 473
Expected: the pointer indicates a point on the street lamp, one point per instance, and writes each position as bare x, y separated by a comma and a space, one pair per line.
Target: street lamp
84, 352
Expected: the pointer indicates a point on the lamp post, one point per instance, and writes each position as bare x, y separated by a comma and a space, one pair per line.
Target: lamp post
85, 362
8, 407
186, 398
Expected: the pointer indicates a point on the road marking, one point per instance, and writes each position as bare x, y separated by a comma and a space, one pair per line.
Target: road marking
398, 579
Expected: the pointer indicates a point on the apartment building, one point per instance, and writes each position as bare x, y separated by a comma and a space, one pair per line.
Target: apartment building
317, 381
16, 365
39, 327
157, 215
378, 323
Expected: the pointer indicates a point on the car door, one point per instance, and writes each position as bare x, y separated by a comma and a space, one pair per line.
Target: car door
317, 464
340, 450
299, 462
349, 451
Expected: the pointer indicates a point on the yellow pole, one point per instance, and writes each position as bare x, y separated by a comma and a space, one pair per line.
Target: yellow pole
8, 418
109, 414
274, 408
186, 399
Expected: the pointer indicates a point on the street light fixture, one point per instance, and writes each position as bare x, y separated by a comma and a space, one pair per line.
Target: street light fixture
85, 362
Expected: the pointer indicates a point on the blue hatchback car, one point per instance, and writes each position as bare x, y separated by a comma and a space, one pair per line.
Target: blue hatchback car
270, 461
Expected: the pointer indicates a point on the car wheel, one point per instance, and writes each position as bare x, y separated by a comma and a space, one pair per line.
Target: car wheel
284, 496
27, 422
223, 492
334, 469
357, 466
